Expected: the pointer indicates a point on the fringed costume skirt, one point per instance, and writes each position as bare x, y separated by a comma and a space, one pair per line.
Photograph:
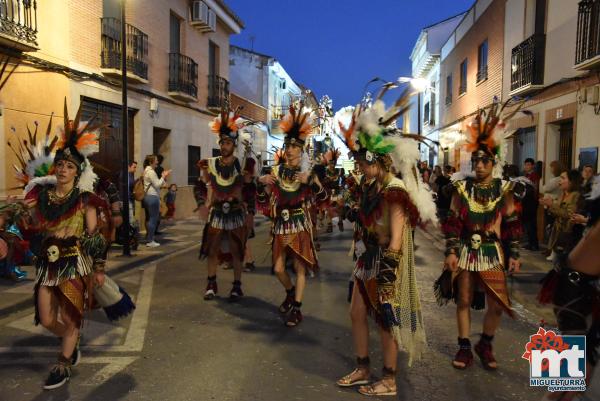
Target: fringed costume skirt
226, 227
66, 271
292, 235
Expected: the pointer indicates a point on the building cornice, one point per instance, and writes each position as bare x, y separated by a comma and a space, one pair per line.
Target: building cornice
226, 15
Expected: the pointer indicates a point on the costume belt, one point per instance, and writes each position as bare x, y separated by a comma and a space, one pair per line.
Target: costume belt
54, 249
227, 206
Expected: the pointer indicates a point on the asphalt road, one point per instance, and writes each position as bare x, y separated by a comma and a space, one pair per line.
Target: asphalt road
177, 346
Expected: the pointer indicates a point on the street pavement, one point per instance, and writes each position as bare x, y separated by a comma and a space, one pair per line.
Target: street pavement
176, 346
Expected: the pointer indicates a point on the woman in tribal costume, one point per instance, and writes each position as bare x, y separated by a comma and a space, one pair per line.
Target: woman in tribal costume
285, 196
59, 217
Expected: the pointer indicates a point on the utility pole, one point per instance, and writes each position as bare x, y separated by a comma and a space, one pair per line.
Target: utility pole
124, 122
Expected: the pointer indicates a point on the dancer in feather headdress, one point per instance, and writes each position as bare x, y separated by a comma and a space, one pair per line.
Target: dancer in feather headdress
226, 177
333, 182
482, 223
59, 215
285, 196
385, 213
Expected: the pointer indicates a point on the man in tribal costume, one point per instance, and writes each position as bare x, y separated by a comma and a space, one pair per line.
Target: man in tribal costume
226, 230
482, 232
385, 210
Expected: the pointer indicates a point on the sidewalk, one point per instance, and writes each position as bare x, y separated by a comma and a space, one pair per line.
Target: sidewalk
181, 234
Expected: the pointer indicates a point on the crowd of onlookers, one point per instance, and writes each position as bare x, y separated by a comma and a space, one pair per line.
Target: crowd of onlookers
555, 211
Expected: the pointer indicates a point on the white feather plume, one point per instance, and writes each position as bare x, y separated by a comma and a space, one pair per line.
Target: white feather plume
343, 116
87, 178
46, 180
405, 156
369, 119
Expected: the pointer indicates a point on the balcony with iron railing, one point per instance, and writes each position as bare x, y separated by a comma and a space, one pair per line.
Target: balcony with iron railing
527, 65
587, 46
183, 77
18, 25
218, 92
137, 50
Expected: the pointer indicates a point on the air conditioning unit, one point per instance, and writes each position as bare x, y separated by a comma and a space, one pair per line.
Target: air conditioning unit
199, 14
212, 20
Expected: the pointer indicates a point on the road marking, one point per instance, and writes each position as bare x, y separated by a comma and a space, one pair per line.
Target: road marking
114, 365
134, 341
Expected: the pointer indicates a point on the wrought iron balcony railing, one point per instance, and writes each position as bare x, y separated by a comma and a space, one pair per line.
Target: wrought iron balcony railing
218, 91
527, 64
18, 24
137, 48
587, 47
183, 76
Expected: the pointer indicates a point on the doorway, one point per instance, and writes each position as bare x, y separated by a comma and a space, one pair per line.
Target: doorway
161, 145
565, 144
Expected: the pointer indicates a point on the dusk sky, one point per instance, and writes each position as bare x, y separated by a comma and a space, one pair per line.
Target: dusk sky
335, 46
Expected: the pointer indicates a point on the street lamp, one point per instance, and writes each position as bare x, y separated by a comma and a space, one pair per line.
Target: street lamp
125, 120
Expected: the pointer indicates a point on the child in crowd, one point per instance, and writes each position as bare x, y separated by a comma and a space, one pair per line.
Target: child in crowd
170, 201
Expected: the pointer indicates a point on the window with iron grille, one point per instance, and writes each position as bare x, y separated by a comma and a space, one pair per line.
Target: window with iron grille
449, 89
482, 61
463, 78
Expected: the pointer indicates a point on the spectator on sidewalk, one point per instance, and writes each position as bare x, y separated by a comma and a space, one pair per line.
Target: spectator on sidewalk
564, 235
530, 204
437, 172
587, 178
443, 193
151, 202
170, 197
552, 185
159, 170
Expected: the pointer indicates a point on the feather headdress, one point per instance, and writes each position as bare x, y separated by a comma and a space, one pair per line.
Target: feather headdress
375, 136
227, 123
35, 156
482, 136
331, 156
77, 141
297, 124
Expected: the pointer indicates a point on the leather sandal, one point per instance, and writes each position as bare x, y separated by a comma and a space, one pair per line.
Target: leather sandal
463, 358
358, 377
380, 388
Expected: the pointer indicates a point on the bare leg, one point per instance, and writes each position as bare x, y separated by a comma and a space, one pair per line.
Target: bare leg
300, 280
212, 262
48, 311
70, 336
492, 317
360, 324
390, 350
463, 307
284, 278
237, 268
464, 356
360, 335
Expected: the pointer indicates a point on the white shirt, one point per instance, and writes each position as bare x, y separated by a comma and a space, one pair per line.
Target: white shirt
152, 183
552, 188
